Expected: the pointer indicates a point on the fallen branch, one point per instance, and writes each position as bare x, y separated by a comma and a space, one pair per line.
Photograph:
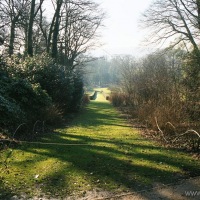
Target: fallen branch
188, 131
171, 125
193, 131
9, 141
160, 130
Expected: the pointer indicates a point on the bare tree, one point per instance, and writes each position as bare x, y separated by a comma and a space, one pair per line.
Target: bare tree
79, 25
72, 30
69, 34
10, 14
177, 20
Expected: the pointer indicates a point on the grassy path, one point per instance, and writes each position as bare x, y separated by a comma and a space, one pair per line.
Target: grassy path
115, 158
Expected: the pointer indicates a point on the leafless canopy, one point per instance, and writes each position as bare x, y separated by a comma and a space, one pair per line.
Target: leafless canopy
173, 20
66, 37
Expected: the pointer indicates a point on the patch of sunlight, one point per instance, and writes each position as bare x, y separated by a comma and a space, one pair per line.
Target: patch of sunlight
48, 166
156, 165
101, 97
14, 155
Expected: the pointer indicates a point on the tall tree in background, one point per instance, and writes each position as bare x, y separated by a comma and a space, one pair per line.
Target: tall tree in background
10, 14
176, 20
71, 31
33, 14
30, 29
80, 22
56, 29
66, 37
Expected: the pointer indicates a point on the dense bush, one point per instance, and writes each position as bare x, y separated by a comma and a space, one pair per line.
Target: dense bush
159, 88
118, 99
85, 99
191, 81
30, 97
37, 88
78, 93
22, 102
11, 113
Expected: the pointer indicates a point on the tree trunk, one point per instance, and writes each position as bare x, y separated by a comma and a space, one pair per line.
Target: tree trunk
30, 29
56, 30
198, 12
12, 38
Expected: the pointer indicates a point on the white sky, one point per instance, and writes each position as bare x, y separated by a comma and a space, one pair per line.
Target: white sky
121, 34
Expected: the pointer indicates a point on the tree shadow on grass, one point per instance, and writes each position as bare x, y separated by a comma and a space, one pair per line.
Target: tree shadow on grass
110, 168
109, 164
97, 115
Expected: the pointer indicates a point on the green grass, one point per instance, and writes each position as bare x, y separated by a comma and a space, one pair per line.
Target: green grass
115, 158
